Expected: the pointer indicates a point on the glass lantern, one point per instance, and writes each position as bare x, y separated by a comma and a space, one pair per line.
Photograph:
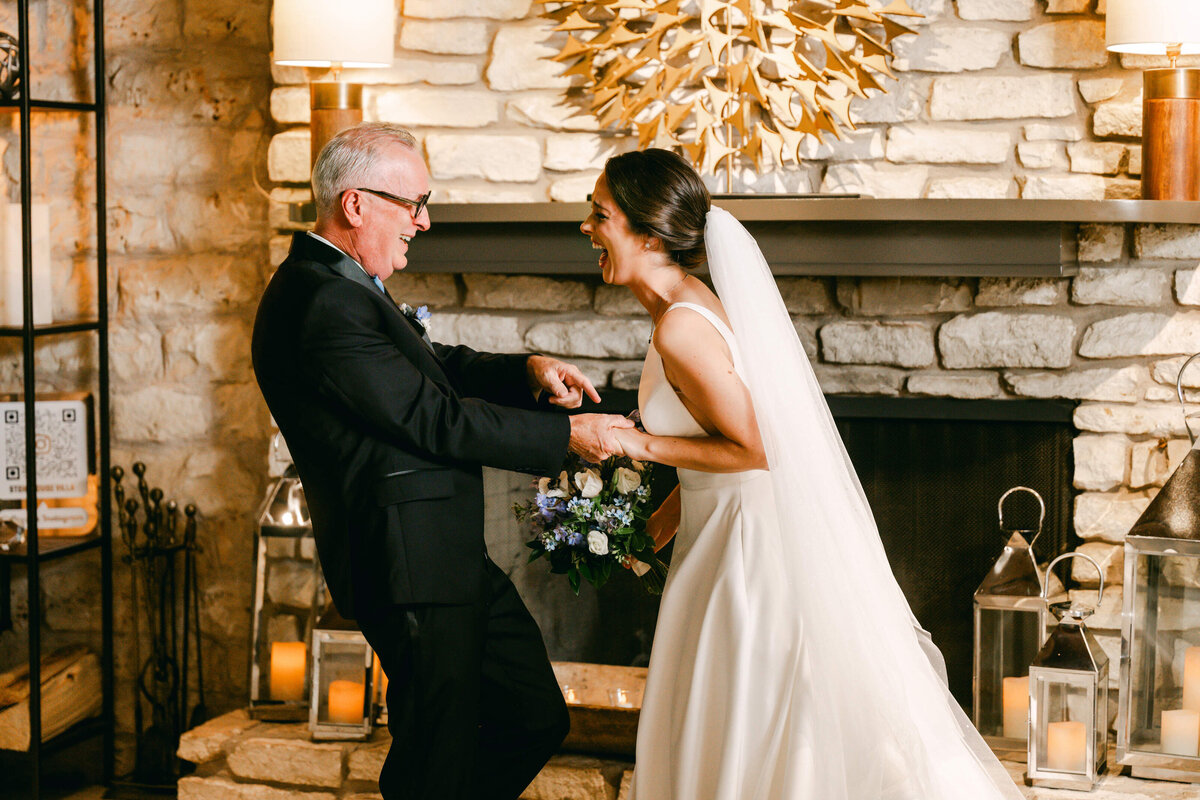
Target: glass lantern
342, 703
1158, 717
289, 596
379, 680
1010, 621
1068, 700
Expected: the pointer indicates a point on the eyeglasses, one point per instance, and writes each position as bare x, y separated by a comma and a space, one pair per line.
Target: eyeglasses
417, 205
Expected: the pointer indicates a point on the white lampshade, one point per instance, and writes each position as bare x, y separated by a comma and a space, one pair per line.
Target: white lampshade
326, 33
1148, 26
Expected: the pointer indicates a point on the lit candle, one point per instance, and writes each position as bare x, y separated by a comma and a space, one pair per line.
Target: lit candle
620, 698
1016, 708
381, 679
1181, 732
1066, 746
346, 702
569, 695
288, 663
1191, 679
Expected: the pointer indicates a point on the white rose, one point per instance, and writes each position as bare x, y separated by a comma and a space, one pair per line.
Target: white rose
627, 480
589, 483
598, 543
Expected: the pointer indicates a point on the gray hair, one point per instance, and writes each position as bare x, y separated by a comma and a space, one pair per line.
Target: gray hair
348, 159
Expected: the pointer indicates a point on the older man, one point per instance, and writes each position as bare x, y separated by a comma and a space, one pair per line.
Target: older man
389, 433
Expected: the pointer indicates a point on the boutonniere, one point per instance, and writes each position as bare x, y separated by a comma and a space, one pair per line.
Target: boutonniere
419, 315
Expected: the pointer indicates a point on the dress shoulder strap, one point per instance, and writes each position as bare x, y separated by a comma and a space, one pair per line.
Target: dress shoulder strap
711, 316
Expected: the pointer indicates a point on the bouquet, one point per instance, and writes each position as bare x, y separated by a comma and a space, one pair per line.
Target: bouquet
593, 518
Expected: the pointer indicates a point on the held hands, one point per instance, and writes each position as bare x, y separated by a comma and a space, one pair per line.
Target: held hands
565, 382
593, 436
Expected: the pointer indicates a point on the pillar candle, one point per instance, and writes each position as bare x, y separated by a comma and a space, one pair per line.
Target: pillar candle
1191, 679
11, 265
1181, 732
570, 695
346, 702
1066, 746
289, 661
1016, 708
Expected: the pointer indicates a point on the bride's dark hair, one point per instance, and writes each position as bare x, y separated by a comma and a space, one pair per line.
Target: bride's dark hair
662, 196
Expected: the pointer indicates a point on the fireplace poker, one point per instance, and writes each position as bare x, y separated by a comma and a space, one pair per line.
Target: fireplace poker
200, 712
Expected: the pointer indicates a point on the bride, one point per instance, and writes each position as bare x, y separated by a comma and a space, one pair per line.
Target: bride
786, 663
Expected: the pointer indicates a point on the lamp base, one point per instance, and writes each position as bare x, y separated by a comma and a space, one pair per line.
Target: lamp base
1171, 134
334, 106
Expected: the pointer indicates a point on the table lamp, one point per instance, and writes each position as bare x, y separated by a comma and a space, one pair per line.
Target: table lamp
1170, 97
323, 34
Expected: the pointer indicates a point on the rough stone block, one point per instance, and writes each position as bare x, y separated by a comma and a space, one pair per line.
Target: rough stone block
1067, 6
552, 112
136, 353
290, 105
1152, 462
366, 761
526, 292
170, 286
1103, 158
159, 414
1097, 90
1008, 10
969, 188
1167, 241
288, 158
573, 152
207, 742
899, 104
964, 387
436, 108
423, 289
882, 181
486, 332
801, 295
901, 344
1142, 334
617, 300
576, 777
1134, 167
1020, 292
1122, 189
859, 380
1100, 461
1107, 517
447, 9
1002, 97
1115, 286
1108, 612
208, 349
495, 158
932, 145
451, 37
1101, 243
958, 49
1133, 420
895, 296
1101, 384
1166, 372
1059, 132
1120, 117
575, 189
521, 59
1069, 44
525, 194
291, 583
1003, 339
590, 338
862, 145
1063, 187
218, 788
1041, 155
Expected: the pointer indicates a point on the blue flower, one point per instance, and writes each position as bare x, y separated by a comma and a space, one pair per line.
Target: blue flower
575, 539
423, 315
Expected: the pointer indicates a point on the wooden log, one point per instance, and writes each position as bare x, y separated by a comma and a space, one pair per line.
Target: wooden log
14, 684
71, 695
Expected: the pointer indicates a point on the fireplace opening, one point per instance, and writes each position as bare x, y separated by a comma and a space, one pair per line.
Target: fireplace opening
933, 470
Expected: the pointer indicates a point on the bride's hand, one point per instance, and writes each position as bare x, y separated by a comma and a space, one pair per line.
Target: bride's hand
632, 442
663, 524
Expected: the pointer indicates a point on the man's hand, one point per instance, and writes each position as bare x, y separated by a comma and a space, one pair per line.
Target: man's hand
592, 435
565, 382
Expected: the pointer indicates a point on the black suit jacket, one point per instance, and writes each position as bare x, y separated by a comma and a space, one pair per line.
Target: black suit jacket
389, 433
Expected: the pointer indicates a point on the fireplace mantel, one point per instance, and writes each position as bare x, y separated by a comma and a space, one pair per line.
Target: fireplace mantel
809, 235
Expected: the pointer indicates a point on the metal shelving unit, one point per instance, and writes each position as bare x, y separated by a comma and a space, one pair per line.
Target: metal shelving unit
37, 551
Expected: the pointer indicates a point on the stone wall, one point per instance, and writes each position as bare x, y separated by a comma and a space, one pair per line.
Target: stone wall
188, 87
994, 98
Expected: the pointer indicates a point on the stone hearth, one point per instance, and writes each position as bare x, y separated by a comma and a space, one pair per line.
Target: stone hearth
238, 758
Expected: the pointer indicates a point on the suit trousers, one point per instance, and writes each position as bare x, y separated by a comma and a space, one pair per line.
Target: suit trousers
474, 708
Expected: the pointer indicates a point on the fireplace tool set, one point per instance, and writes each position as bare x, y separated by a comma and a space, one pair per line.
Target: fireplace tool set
166, 612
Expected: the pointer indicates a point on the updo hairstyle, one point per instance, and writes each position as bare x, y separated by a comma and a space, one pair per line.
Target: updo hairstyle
662, 196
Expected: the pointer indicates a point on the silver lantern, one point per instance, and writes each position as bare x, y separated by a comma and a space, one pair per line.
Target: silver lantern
1068, 700
1158, 716
342, 703
1010, 622
289, 596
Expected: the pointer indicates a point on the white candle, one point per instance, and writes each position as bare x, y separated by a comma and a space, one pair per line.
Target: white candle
1066, 746
1181, 732
1016, 708
11, 265
288, 666
570, 696
620, 698
346, 702
1191, 679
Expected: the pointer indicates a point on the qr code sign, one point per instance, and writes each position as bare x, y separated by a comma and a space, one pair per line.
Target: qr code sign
60, 444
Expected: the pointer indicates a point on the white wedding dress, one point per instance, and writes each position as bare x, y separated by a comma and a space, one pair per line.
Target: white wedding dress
787, 664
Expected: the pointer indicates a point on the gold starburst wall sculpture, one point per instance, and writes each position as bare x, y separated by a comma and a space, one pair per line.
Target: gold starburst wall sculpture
721, 80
